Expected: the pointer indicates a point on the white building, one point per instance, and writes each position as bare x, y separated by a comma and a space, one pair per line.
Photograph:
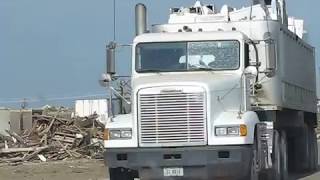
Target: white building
85, 108
4, 120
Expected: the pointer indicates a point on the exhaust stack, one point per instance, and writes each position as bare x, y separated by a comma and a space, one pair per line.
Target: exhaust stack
141, 19
111, 56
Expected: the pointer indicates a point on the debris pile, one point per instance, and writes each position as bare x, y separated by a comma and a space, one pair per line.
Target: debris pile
54, 138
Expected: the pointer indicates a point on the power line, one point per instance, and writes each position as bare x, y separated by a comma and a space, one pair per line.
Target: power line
32, 100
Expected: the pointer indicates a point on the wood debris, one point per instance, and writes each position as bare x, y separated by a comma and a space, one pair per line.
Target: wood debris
53, 138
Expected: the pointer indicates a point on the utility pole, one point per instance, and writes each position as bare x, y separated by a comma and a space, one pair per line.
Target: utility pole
24, 105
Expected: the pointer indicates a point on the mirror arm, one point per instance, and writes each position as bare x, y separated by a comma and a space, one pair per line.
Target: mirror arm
257, 62
119, 95
254, 44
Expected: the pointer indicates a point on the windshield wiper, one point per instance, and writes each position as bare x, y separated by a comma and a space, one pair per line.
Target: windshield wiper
202, 69
148, 70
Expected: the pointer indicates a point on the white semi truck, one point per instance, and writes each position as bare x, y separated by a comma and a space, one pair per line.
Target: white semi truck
216, 94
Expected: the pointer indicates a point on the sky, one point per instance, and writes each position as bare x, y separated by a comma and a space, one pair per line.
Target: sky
53, 52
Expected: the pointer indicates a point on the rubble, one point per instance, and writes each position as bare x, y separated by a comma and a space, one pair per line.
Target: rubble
54, 138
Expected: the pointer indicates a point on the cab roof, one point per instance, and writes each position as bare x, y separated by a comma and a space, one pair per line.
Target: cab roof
190, 36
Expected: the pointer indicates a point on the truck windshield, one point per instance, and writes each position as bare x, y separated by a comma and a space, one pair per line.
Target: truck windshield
187, 56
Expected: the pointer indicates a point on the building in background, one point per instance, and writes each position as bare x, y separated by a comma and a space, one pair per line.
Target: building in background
85, 108
15, 120
4, 120
20, 120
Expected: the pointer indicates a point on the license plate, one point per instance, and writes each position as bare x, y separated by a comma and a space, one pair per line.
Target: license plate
172, 172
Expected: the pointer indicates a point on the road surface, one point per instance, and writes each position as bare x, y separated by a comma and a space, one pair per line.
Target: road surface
83, 170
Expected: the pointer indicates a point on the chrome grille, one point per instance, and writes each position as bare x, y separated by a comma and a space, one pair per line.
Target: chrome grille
173, 118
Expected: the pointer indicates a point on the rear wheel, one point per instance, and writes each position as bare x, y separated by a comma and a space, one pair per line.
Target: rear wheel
276, 156
302, 149
315, 142
284, 155
280, 156
313, 149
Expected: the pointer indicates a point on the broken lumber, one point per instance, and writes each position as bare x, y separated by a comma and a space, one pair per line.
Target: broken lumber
16, 136
17, 150
35, 153
67, 138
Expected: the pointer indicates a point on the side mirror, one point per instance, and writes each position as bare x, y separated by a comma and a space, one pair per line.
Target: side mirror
251, 72
271, 57
105, 78
111, 56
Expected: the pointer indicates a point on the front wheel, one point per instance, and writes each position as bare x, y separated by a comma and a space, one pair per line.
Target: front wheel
255, 172
254, 169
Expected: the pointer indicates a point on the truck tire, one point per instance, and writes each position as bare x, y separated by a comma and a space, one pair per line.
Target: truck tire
254, 169
276, 156
255, 173
122, 174
313, 149
316, 155
284, 155
308, 144
315, 142
305, 149
302, 150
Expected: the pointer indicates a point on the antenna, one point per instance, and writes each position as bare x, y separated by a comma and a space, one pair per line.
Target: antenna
114, 20
265, 2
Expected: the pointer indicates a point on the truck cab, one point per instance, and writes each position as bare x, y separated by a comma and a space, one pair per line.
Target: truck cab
189, 81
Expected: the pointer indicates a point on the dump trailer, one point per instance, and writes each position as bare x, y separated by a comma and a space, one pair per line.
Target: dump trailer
227, 93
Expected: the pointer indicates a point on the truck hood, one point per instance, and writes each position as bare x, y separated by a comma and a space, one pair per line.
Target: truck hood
211, 81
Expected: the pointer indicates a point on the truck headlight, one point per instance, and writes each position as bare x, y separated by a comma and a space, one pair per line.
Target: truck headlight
239, 130
120, 134
221, 131
234, 131
126, 134
115, 134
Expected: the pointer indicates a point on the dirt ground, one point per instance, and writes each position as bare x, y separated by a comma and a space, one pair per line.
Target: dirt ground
69, 170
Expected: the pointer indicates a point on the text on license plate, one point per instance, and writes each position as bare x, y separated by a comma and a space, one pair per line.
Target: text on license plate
171, 172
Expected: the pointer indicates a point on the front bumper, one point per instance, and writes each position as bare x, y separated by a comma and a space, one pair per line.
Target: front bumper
198, 162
